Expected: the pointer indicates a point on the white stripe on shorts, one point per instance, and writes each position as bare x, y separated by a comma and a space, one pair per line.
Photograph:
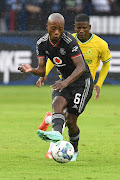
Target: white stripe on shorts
84, 95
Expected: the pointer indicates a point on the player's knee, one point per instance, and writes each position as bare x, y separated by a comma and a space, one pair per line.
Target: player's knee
57, 108
58, 105
69, 123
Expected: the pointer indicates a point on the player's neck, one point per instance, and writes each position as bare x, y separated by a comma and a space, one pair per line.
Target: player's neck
54, 43
86, 39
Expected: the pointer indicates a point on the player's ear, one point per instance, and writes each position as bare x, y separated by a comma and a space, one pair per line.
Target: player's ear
89, 26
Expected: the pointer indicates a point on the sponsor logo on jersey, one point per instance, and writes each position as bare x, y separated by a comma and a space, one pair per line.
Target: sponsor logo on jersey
58, 62
74, 49
62, 51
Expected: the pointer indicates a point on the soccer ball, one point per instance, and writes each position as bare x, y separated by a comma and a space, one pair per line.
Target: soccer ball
62, 151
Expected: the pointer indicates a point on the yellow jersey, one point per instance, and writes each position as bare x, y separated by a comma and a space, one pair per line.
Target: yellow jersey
94, 50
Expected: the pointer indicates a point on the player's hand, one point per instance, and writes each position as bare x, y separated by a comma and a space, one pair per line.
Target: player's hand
59, 85
41, 81
26, 68
97, 88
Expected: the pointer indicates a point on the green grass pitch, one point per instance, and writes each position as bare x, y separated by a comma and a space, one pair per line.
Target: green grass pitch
22, 152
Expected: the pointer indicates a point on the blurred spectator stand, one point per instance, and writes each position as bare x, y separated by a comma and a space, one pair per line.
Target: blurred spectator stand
73, 7
31, 15
102, 7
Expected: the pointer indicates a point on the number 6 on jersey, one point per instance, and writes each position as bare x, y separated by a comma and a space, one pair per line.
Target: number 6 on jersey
77, 98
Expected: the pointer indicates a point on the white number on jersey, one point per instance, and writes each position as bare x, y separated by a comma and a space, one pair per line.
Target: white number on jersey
77, 98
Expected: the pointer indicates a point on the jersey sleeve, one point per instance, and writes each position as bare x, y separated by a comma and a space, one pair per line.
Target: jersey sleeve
103, 73
105, 52
105, 57
40, 50
75, 49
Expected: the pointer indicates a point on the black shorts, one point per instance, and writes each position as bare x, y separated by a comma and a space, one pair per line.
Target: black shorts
76, 96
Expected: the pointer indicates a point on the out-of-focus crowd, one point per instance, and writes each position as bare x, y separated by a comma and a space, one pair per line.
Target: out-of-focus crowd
31, 15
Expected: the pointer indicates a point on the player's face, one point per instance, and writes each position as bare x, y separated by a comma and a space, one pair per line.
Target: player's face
55, 30
83, 30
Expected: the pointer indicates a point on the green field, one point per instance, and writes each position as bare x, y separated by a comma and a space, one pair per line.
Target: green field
22, 153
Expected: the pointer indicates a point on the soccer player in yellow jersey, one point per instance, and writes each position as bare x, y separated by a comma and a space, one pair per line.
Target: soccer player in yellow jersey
94, 50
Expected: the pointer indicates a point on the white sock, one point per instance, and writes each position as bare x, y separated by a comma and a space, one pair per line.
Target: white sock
48, 120
51, 145
63, 127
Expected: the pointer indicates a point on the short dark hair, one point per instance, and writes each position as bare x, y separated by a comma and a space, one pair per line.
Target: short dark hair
81, 18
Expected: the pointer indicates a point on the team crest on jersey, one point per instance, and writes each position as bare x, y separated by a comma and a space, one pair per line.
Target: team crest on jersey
62, 51
57, 60
89, 52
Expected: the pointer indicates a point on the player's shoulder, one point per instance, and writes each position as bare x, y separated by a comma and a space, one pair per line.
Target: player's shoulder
99, 40
67, 37
43, 39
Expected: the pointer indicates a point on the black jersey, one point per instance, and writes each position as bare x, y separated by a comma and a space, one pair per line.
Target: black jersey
62, 54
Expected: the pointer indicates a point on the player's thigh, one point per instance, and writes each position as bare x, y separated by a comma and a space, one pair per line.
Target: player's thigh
60, 100
80, 97
59, 103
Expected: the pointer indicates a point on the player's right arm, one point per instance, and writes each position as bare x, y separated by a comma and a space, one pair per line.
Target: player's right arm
41, 56
39, 71
49, 67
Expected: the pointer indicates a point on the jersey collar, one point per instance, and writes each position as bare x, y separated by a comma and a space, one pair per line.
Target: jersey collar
85, 41
54, 45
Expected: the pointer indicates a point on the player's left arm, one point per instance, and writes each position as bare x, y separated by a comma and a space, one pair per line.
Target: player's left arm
105, 57
78, 71
102, 75
78, 61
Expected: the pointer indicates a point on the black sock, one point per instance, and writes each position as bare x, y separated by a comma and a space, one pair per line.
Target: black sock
58, 122
74, 139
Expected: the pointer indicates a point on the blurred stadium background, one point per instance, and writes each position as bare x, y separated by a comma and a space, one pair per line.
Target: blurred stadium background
22, 22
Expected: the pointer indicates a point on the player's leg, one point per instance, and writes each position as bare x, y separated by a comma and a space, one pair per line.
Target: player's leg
75, 108
58, 119
74, 133
48, 153
63, 112
44, 125
47, 120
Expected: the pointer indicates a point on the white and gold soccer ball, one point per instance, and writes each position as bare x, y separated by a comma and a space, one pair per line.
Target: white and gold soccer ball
62, 151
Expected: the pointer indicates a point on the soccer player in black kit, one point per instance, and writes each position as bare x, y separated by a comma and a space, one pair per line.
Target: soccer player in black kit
74, 90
